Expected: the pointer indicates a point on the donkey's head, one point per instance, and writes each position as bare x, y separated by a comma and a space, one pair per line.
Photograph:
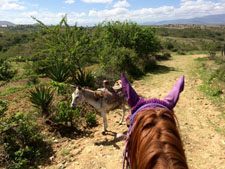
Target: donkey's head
77, 97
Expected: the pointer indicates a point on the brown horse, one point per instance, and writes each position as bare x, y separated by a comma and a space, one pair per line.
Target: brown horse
153, 140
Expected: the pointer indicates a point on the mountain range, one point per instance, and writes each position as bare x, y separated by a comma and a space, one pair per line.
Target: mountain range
6, 23
205, 20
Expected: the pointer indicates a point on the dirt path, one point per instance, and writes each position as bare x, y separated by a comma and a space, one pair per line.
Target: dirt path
204, 147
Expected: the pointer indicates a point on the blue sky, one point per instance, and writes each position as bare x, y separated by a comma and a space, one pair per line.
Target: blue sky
90, 12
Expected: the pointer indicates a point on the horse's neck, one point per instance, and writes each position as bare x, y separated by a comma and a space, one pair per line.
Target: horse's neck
89, 97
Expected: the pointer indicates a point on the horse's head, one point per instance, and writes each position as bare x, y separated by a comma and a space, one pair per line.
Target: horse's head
77, 97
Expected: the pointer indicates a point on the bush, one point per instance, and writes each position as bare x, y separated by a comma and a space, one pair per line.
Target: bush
33, 80
84, 79
59, 87
117, 60
22, 142
42, 98
3, 108
221, 73
66, 114
59, 72
164, 56
91, 119
6, 72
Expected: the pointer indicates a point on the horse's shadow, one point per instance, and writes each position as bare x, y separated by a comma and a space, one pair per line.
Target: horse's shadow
113, 142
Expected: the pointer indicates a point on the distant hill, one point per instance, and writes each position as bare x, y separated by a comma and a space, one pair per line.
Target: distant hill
205, 20
7, 23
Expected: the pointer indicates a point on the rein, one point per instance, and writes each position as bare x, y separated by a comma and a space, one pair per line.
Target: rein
126, 161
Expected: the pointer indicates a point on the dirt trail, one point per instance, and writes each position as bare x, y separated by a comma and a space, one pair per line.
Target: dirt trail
204, 147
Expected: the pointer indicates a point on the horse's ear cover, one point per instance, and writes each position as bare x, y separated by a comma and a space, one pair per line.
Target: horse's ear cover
173, 96
171, 99
132, 97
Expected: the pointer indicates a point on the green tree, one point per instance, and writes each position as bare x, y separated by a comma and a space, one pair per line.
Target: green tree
70, 44
122, 45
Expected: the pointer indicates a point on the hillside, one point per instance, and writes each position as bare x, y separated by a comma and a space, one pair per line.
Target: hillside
6, 23
205, 20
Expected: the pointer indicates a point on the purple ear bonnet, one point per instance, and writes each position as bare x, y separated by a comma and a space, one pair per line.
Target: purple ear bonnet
132, 97
135, 101
172, 98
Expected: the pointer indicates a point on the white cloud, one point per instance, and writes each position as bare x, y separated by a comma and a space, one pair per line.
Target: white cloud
10, 4
121, 4
187, 9
69, 1
108, 13
97, 1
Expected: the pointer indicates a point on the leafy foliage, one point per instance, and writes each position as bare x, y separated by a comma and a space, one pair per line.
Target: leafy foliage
84, 79
42, 98
67, 115
3, 108
59, 72
6, 72
125, 42
32, 80
70, 44
22, 141
91, 119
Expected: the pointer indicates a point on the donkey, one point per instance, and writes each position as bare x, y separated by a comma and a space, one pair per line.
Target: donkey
101, 104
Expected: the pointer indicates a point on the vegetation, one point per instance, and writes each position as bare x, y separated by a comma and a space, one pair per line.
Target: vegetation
23, 144
67, 115
212, 72
125, 47
42, 98
6, 72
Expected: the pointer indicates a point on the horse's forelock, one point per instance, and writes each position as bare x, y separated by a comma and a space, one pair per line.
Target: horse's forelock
155, 141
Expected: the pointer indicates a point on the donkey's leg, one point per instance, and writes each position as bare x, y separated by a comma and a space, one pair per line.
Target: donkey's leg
122, 118
105, 122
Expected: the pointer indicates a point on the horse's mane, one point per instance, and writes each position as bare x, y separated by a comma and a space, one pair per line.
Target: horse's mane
155, 142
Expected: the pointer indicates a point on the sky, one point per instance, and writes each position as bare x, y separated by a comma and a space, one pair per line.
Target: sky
92, 12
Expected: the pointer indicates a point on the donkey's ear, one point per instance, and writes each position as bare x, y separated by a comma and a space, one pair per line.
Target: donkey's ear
129, 92
172, 98
73, 86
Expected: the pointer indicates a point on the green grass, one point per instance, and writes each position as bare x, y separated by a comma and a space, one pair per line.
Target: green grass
17, 89
210, 85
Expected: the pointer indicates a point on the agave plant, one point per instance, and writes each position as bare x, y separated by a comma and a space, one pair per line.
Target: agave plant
84, 79
59, 72
42, 98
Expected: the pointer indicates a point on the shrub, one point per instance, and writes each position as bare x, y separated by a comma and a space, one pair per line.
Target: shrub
84, 79
59, 87
164, 56
59, 72
6, 72
117, 60
22, 142
66, 114
33, 80
221, 73
91, 119
42, 98
3, 108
